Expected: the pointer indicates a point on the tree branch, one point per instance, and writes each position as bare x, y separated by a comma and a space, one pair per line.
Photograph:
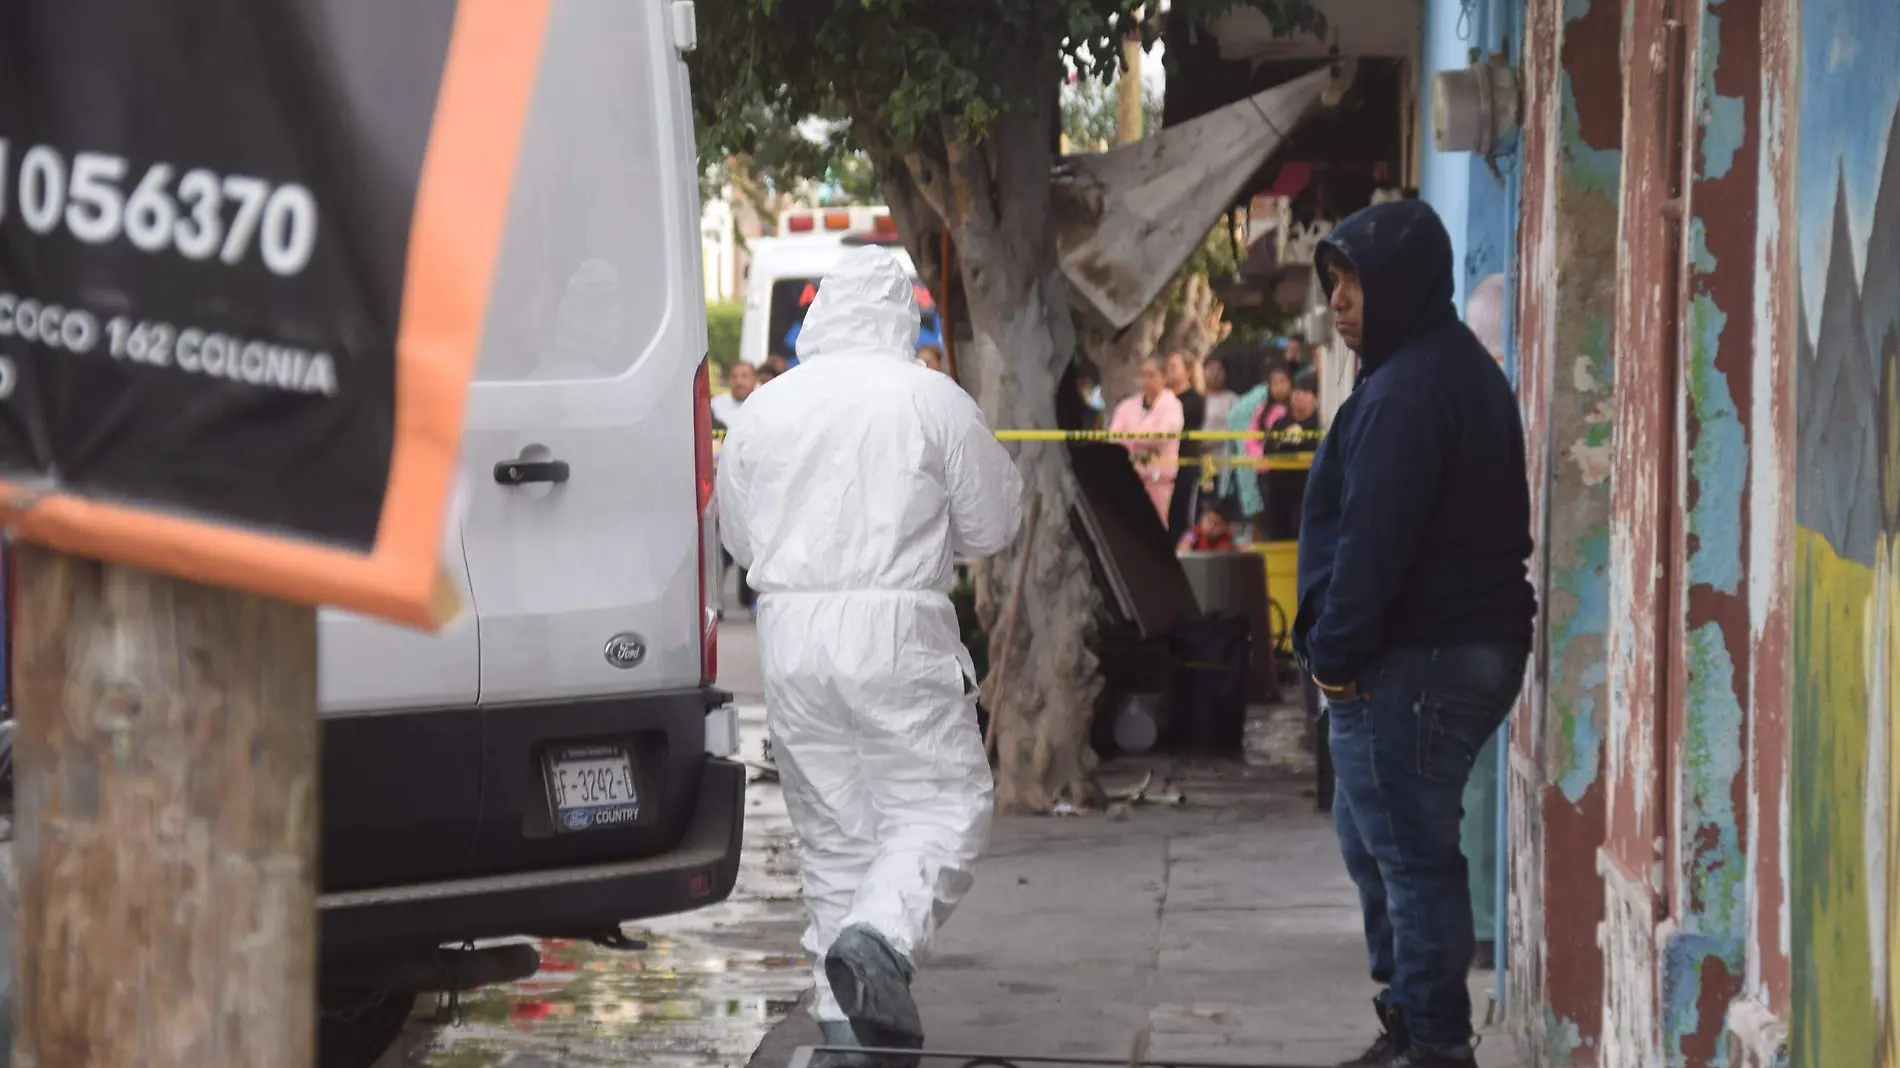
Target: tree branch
924, 173
931, 177
1022, 170
972, 191
917, 223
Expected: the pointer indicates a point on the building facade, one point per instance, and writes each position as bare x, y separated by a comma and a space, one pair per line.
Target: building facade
1703, 796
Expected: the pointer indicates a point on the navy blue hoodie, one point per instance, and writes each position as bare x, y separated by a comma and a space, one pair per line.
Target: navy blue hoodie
1415, 529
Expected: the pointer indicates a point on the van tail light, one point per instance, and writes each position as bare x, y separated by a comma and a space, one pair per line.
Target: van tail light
709, 569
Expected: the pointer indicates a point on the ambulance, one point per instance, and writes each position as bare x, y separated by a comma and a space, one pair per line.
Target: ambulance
785, 272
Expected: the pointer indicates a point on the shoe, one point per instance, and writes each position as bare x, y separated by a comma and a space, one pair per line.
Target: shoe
1389, 1050
871, 981
838, 1035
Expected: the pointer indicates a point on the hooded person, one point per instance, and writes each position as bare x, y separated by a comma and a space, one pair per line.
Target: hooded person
846, 493
1415, 609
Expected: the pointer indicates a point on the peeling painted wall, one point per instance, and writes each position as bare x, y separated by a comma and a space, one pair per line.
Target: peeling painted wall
1643, 534
1567, 255
1702, 958
1657, 395
1846, 595
1644, 444
1747, 678
1758, 1020
1525, 963
1631, 1038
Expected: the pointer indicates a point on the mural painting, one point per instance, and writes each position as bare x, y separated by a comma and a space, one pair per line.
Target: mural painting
1844, 798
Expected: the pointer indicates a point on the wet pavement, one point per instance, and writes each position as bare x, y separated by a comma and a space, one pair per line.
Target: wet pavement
706, 990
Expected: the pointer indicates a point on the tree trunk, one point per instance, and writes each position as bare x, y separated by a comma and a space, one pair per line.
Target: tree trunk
1044, 709
167, 801
1118, 359
1196, 323
994, 197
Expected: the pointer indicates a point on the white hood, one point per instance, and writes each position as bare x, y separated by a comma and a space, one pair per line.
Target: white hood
866, 306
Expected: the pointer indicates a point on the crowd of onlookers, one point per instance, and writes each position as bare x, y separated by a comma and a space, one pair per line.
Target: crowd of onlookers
1209, 494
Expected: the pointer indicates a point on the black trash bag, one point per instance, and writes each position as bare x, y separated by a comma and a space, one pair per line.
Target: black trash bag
1213, 654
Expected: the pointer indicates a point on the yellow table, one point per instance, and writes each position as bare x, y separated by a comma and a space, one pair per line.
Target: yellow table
1283, 576
1283, 561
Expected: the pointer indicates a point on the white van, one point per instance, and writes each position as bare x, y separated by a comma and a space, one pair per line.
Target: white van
554, 763
785, 270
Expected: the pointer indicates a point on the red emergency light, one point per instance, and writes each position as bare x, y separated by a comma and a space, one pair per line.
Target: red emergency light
800, 223
885, 226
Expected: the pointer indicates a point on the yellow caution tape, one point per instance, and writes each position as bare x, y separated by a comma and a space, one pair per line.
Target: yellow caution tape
1145, 435
1293, 462
1282, 437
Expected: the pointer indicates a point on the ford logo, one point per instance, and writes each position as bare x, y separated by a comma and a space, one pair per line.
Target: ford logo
577, 821
626, 650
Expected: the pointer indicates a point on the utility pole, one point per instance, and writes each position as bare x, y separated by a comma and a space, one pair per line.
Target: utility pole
1128, 92
167, 799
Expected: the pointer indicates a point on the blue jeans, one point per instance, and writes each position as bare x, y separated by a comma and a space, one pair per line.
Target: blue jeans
1402, 753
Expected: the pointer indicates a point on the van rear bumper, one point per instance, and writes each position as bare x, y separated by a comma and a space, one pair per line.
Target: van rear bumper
555, 902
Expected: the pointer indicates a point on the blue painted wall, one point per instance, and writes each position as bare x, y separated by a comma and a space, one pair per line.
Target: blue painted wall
1444, 179
1480, 207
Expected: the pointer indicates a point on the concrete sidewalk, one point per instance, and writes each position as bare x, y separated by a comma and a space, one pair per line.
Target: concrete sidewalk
1226, 927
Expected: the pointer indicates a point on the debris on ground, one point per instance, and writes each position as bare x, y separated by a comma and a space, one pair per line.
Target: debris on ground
1143, 793
765, 769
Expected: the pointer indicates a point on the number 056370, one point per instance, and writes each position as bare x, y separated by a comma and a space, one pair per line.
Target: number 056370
197, 214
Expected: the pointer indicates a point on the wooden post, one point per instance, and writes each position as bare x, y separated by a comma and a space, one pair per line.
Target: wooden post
946, 313
1128, 117
167, 804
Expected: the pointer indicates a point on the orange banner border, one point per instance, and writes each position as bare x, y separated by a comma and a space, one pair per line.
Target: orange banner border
461, 215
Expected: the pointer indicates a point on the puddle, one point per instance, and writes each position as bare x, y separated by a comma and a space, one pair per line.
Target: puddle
706, 990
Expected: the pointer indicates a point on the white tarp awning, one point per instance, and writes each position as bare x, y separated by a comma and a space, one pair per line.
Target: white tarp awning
1127, 219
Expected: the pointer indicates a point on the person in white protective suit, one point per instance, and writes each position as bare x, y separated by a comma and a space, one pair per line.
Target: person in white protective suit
845, 493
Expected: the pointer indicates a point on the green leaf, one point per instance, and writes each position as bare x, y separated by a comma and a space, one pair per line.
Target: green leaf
909, 71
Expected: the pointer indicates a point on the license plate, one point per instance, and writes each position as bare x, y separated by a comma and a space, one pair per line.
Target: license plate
591, 787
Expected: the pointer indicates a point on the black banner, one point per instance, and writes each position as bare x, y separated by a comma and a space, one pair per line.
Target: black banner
205, 214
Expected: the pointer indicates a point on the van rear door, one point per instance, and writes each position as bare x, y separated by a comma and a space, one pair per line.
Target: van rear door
582, 529
365, 665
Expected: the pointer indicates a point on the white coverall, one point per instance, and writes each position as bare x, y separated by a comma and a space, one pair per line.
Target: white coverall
845, 492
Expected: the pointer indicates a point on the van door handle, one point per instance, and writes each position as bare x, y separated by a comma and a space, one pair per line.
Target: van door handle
518, 472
